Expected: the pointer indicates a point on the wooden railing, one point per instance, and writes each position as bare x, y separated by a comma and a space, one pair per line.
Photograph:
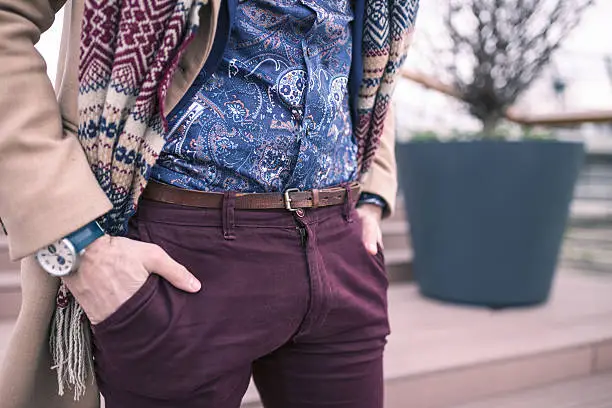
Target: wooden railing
553, 119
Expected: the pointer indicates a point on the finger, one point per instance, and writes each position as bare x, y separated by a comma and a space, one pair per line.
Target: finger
370, 236
157, 261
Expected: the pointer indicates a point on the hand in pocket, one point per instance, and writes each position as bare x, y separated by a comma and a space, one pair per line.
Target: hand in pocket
113, 269
371, 216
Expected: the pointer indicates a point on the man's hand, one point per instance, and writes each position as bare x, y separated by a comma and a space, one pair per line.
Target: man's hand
371, 216
113, 269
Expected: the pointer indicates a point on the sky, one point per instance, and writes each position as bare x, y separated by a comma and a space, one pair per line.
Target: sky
580, 63
49, 44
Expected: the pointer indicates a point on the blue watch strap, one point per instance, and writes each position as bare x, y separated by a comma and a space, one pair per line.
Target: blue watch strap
84, 236
369, 198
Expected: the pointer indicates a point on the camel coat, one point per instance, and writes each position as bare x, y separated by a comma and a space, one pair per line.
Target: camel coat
46, 187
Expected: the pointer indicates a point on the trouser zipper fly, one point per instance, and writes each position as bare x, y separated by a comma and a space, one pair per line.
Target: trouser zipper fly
303, 235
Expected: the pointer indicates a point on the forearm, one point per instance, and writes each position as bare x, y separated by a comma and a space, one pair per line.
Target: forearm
46, 187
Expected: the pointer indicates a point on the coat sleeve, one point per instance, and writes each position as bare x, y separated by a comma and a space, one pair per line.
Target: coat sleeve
47, 189
381, 178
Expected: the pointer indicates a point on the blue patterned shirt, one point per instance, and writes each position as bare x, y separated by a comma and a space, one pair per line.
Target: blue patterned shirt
275, 113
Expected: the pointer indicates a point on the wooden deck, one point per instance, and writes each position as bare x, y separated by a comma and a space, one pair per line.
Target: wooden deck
590, 392
442, 355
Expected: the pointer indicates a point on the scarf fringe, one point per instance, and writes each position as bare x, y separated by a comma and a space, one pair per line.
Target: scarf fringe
70, 344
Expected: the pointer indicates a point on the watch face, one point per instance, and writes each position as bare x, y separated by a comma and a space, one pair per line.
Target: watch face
58, 259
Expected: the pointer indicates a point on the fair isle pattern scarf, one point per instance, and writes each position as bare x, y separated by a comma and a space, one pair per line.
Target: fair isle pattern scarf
129, 52
388, 28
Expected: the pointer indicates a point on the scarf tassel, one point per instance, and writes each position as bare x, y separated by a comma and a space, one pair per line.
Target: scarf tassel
70, 345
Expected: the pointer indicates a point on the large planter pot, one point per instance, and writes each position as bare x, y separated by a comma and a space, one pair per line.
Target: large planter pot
487, 219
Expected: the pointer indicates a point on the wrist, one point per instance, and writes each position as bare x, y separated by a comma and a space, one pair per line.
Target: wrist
85, 236
372, 210
96, 247
373, 200
62, 257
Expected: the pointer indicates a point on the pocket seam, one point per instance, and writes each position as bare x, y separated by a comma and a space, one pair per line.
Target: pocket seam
129, 308
380, 255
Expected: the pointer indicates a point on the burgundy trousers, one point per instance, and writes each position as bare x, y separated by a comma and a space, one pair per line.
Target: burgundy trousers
293, 299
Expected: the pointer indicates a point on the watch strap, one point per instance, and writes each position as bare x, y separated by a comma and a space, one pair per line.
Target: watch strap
84, 236
369, 198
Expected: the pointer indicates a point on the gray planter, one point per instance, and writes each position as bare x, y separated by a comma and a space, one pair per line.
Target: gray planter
487, 218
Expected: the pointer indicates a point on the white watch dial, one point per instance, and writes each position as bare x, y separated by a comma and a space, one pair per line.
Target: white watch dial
58, 259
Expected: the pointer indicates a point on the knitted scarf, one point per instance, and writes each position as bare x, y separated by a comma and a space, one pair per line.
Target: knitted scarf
129, 52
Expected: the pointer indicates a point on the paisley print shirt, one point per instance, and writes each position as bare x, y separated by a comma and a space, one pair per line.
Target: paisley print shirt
275, 113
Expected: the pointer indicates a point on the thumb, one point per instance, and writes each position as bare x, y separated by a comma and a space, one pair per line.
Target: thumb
157, 261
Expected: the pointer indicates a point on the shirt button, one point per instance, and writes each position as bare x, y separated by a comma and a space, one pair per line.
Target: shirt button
310, 51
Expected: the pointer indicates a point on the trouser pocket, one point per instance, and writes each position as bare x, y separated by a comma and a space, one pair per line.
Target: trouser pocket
141, 347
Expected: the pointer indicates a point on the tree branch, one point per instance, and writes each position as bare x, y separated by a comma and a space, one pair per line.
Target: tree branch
510, 44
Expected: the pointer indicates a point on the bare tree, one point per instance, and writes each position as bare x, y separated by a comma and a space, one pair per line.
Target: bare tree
497, 48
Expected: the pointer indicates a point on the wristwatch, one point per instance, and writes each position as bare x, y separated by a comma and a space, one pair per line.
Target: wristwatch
61, 258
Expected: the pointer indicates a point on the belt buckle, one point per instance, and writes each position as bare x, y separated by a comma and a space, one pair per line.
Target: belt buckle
288, 199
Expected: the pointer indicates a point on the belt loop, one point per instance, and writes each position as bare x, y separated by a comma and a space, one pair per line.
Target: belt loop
348, 203
227, 214
315, 198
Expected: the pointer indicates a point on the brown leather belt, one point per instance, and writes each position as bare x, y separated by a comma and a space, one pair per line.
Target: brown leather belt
291, 199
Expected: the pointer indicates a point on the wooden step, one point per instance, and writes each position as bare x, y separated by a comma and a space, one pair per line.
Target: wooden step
6, 328
400, 211
10, 294
591, 210
399, 265
590, 392
5, 262
395, 235
591, 252
10, 283
597, 235
588, 262
589, 247
398, 250
9, 280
